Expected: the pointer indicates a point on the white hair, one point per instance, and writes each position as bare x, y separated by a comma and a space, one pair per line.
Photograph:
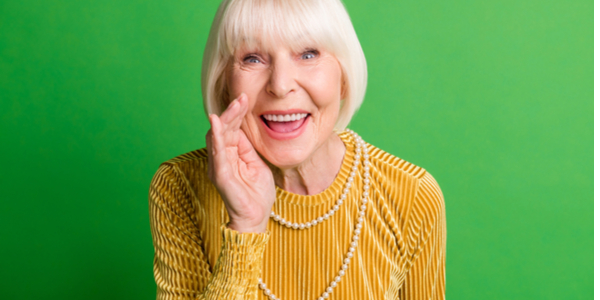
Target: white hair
323, 23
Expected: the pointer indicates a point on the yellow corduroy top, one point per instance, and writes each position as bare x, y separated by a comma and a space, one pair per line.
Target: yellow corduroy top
400, 255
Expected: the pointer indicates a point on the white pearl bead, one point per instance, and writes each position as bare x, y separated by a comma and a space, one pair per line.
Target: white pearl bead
361, 150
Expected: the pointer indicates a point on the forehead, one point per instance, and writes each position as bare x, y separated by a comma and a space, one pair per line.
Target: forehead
297, 44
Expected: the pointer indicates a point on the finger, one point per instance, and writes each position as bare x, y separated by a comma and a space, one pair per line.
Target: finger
235, 117
231, 129
231, 112
209, 153
246, 150
219, 152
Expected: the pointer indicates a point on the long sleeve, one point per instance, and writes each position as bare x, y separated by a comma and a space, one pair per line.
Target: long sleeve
426, 278
181, 268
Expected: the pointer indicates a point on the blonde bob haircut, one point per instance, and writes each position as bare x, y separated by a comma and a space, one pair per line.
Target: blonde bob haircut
323, 24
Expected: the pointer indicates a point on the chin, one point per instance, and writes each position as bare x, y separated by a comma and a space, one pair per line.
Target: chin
286, 157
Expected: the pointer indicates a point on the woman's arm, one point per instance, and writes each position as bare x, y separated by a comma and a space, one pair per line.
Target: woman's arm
426, 278
181, 269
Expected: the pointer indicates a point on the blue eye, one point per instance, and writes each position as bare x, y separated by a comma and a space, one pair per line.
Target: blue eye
309, 55
252, 59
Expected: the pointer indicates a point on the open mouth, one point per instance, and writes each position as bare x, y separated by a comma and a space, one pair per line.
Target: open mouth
284, 123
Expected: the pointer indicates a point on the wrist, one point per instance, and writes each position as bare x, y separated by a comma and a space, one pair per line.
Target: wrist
244, 227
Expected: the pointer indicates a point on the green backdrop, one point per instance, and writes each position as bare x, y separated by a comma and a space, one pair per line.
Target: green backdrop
494, 98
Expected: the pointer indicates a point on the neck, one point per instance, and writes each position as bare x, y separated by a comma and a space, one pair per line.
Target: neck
315, 174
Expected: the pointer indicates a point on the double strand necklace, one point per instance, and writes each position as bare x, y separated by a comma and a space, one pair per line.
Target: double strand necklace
360, 147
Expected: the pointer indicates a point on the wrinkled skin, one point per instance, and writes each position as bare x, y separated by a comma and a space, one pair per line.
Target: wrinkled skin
245, 161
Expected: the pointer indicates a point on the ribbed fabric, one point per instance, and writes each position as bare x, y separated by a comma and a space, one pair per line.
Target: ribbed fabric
401, 252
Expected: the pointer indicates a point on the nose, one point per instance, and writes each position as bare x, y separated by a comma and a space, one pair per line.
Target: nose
282, 81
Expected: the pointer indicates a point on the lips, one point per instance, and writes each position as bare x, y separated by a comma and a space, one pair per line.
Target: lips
284, 125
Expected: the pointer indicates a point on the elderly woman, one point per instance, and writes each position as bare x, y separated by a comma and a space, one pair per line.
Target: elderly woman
284, 202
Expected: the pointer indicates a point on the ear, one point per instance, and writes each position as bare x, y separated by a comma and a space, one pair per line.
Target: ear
344, 87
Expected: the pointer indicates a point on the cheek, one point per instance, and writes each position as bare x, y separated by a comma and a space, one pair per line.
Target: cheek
324, 85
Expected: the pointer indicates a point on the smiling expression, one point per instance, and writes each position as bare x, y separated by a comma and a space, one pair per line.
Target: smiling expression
293, 97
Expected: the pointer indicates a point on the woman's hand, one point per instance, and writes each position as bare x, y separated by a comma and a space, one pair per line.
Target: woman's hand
244, 181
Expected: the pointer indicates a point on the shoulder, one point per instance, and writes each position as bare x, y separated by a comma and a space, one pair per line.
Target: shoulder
389, 163
176, 175
188, 158
409, 187
184, 164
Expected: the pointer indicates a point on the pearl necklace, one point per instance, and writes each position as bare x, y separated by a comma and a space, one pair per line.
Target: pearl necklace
358, 141
357, 228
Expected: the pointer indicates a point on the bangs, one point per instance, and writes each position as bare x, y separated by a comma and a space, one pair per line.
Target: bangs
267, 23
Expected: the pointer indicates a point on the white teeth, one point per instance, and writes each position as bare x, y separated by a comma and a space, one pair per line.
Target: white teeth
285, 118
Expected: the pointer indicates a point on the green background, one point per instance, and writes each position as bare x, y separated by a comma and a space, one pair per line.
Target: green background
494, 98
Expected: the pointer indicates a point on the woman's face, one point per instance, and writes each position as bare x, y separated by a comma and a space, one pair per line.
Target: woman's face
294, 100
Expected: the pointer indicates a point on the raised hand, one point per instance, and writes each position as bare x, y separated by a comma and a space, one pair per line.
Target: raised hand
244, 181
